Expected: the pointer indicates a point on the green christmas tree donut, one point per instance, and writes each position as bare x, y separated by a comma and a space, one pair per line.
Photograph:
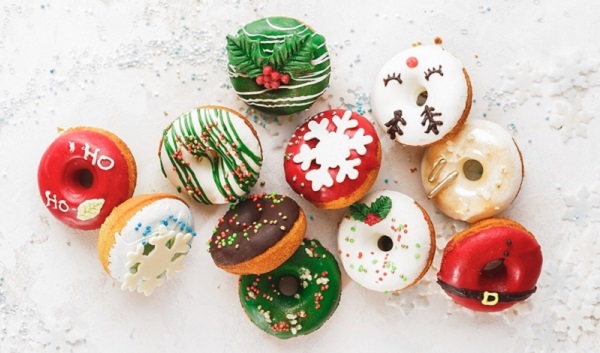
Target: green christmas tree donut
278, 65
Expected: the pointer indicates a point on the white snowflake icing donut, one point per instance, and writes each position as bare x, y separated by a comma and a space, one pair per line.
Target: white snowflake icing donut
333, 158
476, 174
421, 95
386, 242
144, 241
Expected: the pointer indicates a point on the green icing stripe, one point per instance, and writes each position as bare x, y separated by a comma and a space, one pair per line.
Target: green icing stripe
212, 124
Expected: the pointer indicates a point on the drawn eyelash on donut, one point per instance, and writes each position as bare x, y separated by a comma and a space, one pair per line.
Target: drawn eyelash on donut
432, 71
392, 77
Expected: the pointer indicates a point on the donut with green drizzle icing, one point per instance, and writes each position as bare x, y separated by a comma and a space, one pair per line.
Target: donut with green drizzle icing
297, 297
212, 154
278, 65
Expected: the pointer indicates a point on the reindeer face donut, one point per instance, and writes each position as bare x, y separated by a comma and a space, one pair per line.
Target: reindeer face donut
386, 242
84, 174
333, 159
474, 175
421, 95
491, 266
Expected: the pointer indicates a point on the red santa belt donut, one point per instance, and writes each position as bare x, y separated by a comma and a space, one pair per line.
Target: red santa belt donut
491, 265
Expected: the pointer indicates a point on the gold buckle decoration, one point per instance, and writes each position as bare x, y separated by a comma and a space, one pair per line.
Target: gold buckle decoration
490, 298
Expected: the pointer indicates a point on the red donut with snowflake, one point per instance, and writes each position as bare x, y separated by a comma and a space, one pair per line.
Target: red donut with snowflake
333, 158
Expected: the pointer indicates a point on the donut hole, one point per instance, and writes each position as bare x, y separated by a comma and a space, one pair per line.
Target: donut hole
422, 98
494, 272
385, 243
473, 170
288, 285
84, 178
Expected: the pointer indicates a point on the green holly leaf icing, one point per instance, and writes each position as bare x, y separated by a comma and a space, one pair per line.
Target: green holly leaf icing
382, 206
245, 55
89, 209
359, 211
293, 54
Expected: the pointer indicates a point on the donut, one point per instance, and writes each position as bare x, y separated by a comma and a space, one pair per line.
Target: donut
278, 65
491, 265
144, 241
297, 297
84, 174
257, 234
211, 154
333, 158
386, 241
422, 95
475, 174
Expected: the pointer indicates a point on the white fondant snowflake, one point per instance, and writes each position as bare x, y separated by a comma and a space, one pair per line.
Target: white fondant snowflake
523, 82
156, 261
582, 207
332, 150
571, 119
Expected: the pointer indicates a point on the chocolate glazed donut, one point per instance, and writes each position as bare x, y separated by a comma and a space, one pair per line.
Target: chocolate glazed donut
258, 234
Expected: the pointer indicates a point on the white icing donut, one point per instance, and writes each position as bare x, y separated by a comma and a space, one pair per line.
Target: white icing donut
154, 242
474, 175
399, 106
212, 154
386, 242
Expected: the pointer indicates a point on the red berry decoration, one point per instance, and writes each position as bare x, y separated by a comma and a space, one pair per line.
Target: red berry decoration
267, 70
272, 79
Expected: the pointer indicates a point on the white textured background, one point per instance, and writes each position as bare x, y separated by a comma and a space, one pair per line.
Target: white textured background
133, 66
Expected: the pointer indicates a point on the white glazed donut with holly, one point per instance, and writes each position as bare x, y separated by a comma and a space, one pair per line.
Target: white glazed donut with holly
386, 242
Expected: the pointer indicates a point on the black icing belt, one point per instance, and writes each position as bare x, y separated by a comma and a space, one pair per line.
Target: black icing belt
486, 297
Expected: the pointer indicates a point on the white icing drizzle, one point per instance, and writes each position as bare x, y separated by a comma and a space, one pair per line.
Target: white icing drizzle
164, 217
411, 244
447, 94
472, 200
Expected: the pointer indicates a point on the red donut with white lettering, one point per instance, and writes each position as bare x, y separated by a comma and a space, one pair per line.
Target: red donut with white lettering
84, 174
333, 158
491, 265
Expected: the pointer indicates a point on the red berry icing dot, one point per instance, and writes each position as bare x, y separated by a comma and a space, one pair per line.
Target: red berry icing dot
412, 62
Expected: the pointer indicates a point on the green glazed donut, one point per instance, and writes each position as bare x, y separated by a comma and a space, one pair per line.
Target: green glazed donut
284, 314
278, 65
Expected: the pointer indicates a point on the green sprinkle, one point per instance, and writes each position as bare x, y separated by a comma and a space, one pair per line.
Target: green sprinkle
353, 229
417, 256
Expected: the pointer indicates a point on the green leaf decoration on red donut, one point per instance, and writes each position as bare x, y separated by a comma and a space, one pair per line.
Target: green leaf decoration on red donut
293, 55
372, 214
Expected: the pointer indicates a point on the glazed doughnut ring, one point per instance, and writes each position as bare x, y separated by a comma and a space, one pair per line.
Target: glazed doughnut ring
421, 96
491, 266
386, 242
474, 175
212, 154
297, 297
84, 174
